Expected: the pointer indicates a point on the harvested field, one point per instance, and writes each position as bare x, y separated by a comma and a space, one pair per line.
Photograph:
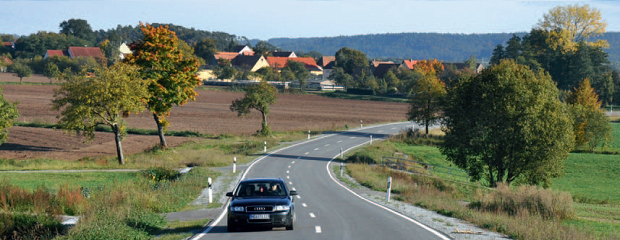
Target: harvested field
210, 113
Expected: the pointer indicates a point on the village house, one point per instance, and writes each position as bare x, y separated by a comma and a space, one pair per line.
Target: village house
76, 52
327, 63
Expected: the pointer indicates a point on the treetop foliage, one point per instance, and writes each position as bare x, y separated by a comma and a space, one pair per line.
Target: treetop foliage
584, 95
572, 24
8, 113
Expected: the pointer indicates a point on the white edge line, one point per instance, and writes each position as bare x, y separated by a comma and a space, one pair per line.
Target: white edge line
442, 236
317, 229
214, 223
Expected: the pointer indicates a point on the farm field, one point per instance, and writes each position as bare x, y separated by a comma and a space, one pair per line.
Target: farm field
209, 114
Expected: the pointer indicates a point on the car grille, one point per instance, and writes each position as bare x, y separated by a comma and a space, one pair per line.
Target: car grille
259, 209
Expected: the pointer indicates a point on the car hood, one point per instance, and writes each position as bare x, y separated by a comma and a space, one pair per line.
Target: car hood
260, 201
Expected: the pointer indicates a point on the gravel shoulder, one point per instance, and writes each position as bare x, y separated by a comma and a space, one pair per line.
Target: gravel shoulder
453, 227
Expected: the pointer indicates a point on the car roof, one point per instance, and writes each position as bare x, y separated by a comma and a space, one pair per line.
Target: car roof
255, 180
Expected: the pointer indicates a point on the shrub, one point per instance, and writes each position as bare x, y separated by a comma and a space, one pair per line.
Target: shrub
361, 157
545, 203
29, 226
159, 174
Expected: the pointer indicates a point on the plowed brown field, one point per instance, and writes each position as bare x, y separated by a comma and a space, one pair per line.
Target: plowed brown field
210, 113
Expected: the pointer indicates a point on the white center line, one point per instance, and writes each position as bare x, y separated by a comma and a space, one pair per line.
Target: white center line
289, 166
316, 149
294, 189
293, 162
380, 131
298, 197
306, 153
352, 137
287, 177
287, 171
304, 205
327, 144
290, 183
318, 229
393, 128
339, 141
312, 215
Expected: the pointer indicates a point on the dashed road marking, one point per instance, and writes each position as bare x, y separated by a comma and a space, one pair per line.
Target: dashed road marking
316, 149
327, 144
294, 189
312, 215
298, 197
380, 131
304, 205
352, 137
287, 171
339, 141
289, 166
290, 183
306, 153
393, 128
287, 177
293, 162
318, 229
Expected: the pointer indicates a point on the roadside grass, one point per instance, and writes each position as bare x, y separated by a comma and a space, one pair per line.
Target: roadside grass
220, 152
180, 229
54, 181
342, 95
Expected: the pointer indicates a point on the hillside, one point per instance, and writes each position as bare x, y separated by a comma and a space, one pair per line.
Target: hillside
442, 46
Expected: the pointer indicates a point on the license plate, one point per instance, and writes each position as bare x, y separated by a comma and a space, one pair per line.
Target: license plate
259, 216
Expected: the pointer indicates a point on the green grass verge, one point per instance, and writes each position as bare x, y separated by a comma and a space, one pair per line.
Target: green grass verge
53, 181
592, 178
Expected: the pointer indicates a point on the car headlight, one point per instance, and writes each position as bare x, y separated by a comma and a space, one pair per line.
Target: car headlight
282, 208
238, 209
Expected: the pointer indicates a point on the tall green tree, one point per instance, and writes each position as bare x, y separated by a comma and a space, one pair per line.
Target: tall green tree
104, 98
264, 48
259, 97
8, 113
205, 49
171, 76
497, 55
79, 28
225, 70
351, 60
301, 73
269, 74
51, 71
425, 104
513, 50
507, 124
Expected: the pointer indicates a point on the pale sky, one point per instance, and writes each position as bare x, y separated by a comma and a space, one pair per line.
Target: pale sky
264, 19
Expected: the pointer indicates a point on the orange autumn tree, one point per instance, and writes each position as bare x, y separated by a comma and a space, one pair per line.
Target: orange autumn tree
172, 77
425, 103
591, 125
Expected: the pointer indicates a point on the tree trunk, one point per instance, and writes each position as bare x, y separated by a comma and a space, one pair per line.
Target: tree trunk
264, 125
119, 148
160, 130
428, 113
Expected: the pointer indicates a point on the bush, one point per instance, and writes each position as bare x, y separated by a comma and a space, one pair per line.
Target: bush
360, 157
29, 226
545, 203
159, 174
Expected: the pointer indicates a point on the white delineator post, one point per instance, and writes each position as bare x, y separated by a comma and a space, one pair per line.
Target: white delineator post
389, 189
361, 125
265, 148
234, 164
340, 152
341, 167
370, 139
308, 133
210, 191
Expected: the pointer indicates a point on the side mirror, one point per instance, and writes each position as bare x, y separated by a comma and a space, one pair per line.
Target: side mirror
229, 194
293, 193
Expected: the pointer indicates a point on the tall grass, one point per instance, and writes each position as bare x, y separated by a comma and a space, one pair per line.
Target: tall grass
518, 219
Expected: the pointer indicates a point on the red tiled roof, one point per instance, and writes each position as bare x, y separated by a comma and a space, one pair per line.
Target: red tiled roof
85, 52
7, 44
410, 63
280, 62
6, 60
225, 55
51, 53
327, 61
376, 63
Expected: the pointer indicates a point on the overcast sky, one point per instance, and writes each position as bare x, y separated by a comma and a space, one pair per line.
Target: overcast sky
264, 19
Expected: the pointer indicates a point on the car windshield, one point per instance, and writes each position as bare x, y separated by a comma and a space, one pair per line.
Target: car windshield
260, 189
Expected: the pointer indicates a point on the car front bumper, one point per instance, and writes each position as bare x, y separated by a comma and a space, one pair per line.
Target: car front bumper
276, 219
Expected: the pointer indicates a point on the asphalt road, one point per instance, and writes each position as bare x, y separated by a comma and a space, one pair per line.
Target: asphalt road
325, 209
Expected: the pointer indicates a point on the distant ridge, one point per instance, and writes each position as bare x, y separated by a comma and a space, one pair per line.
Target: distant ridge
443, 46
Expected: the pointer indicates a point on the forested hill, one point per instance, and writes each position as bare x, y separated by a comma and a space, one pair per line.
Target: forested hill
442, 46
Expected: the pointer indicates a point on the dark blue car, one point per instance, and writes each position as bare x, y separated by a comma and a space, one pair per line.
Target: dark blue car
261, 202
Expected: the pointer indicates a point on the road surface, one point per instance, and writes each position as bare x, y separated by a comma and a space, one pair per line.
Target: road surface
325, 209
